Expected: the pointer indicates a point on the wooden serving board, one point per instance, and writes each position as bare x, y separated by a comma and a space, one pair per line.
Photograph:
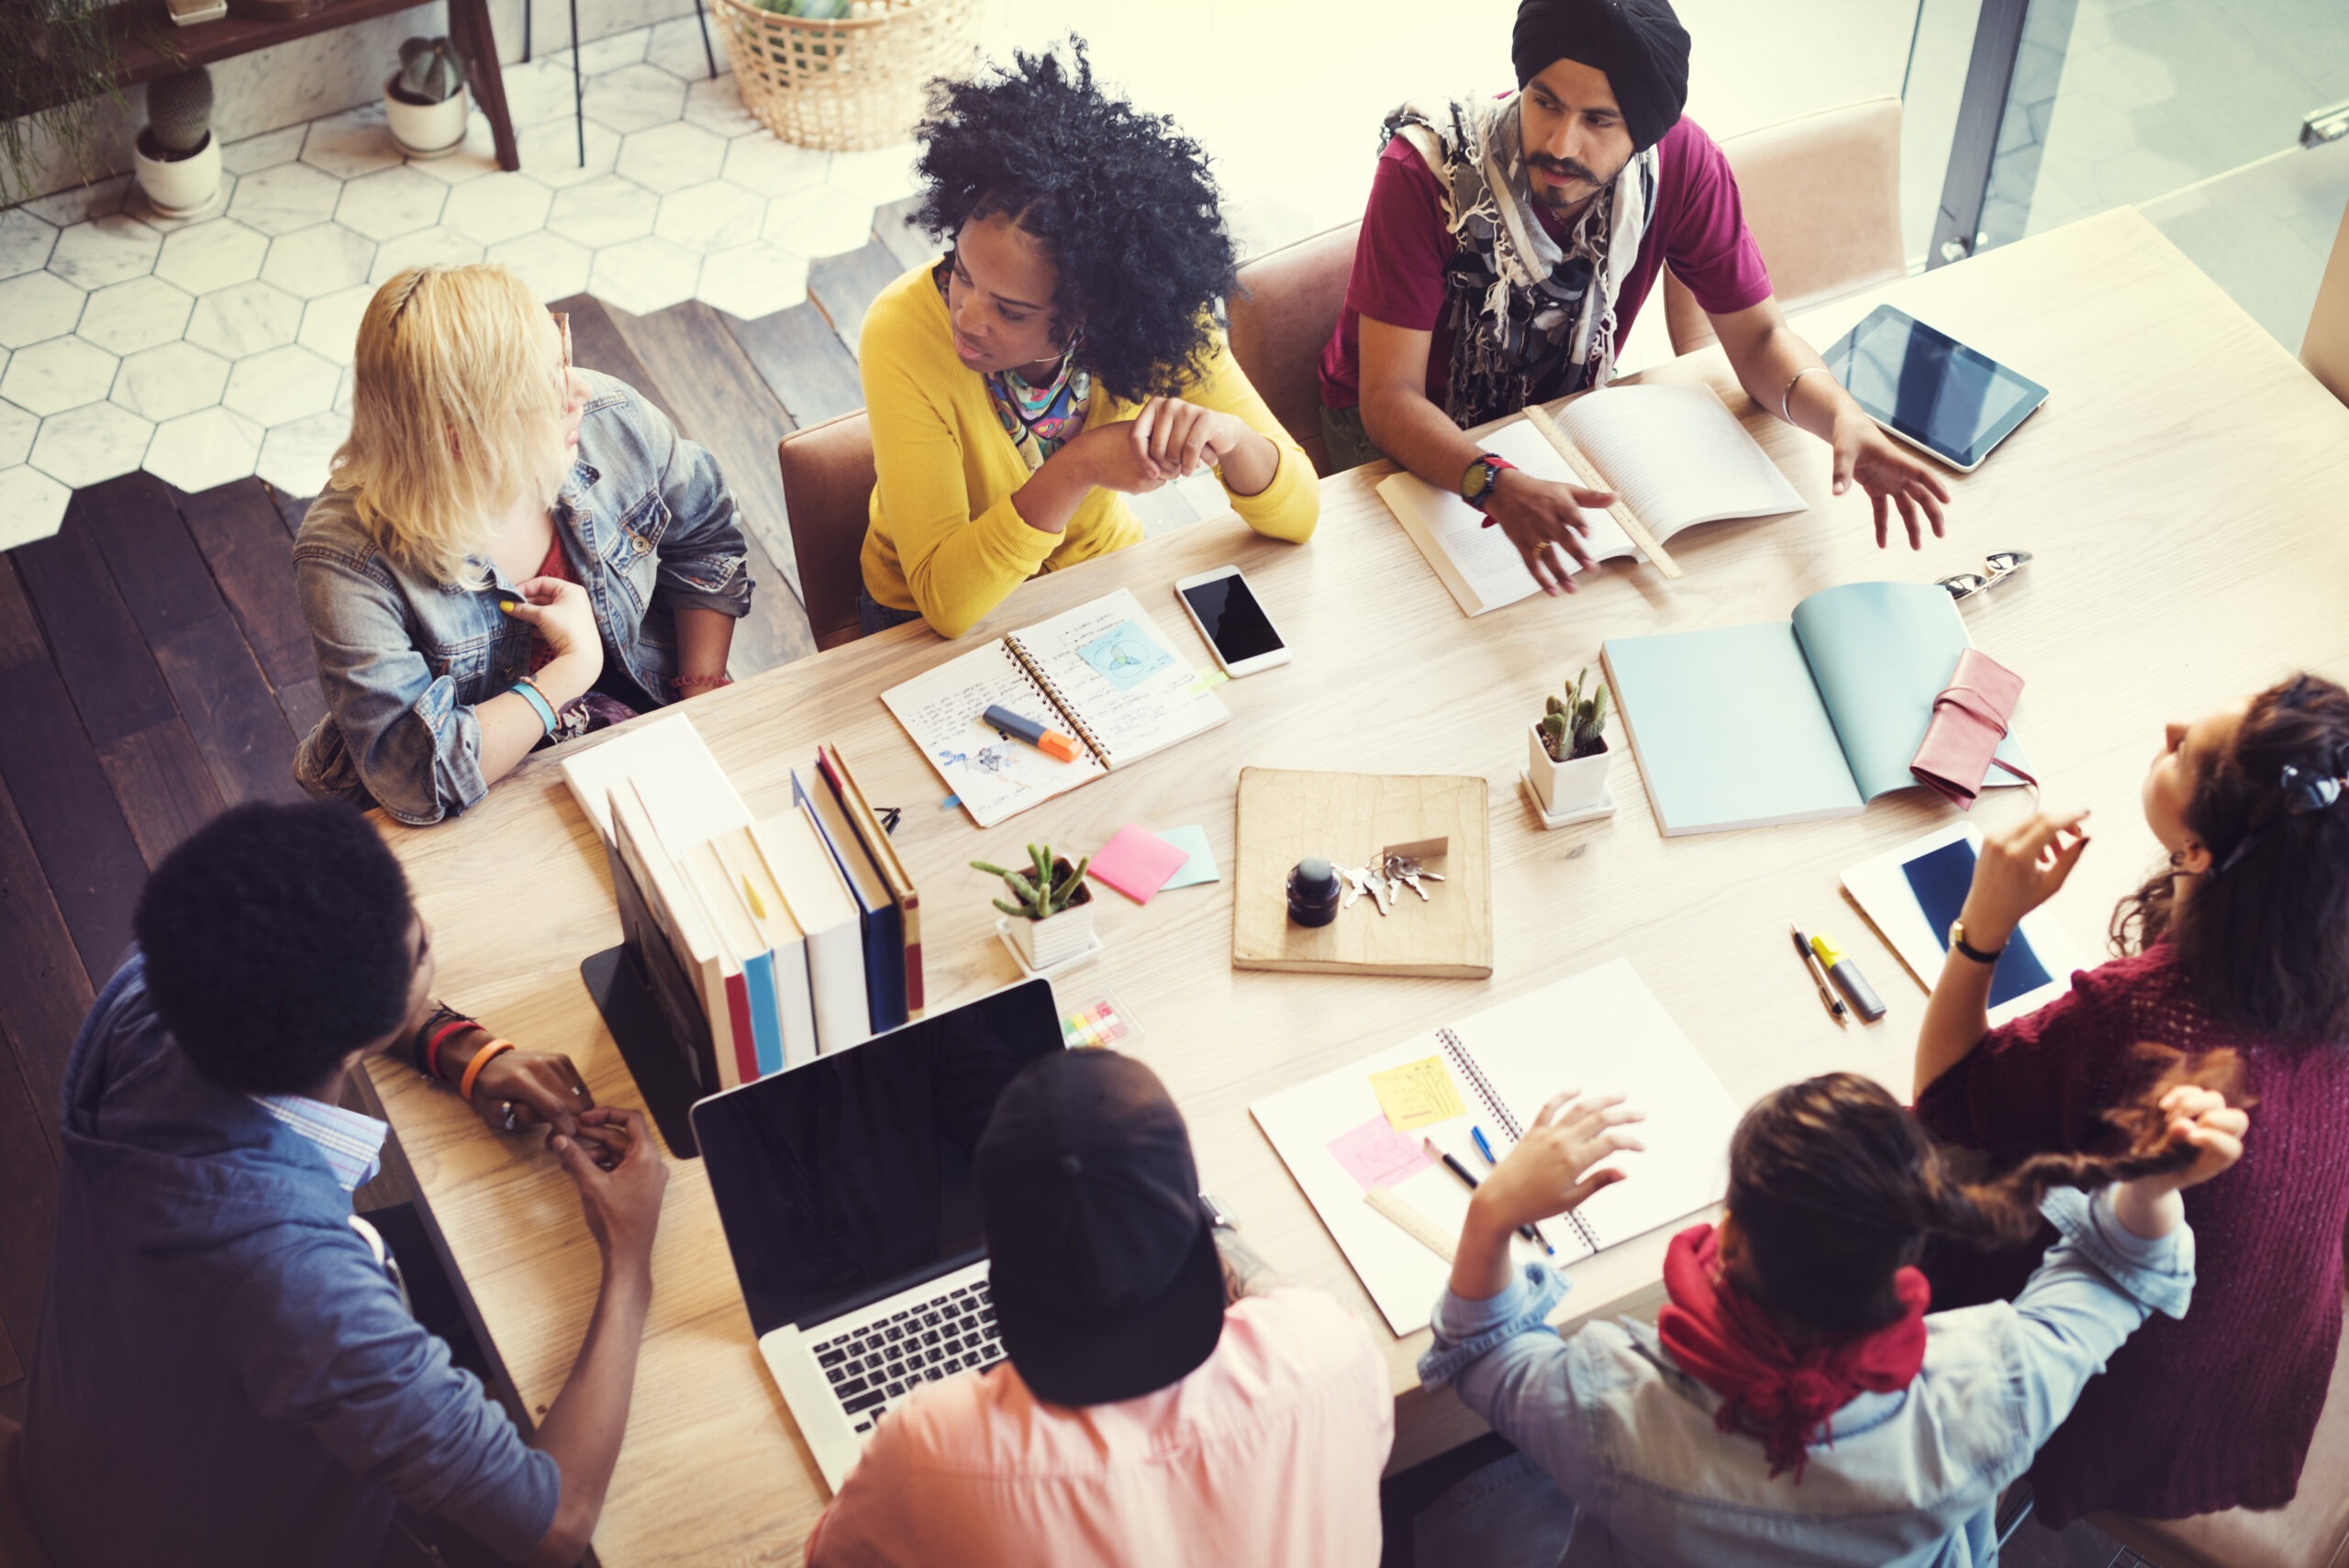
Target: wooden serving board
1285, 815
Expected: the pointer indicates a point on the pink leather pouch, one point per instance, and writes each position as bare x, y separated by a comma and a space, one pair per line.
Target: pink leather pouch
1969, 720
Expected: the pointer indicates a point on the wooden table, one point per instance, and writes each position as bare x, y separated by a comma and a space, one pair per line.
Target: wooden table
2181, 494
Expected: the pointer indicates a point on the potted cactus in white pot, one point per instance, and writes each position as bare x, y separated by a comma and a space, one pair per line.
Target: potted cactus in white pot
1050, 908
424, 101
176, 157
1568, 757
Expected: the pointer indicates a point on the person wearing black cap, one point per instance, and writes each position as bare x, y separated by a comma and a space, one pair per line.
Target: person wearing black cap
1508, 247
1159, 1403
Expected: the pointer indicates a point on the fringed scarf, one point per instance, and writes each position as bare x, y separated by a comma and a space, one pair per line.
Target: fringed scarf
1531, 320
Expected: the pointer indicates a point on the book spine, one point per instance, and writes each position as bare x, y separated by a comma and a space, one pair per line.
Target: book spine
1048, 689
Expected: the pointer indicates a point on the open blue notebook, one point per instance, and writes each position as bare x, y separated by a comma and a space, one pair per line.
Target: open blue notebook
1790, 722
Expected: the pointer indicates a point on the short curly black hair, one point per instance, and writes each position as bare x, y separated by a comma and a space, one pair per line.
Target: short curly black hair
1123, 199
276, 941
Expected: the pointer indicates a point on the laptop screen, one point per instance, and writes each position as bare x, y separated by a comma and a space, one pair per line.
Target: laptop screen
850, 1179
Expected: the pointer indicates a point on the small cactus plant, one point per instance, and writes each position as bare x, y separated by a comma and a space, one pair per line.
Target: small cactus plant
430, 71
179, 112
1576, 726
1045, 888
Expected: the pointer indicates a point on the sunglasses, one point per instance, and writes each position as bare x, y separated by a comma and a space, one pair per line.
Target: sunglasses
1997, 567
562, 331
2306, 792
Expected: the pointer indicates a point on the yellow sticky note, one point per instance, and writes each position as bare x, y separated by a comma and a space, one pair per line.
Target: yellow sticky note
1417, 1095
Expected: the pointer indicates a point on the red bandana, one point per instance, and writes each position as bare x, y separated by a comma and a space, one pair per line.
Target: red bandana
1725, 1341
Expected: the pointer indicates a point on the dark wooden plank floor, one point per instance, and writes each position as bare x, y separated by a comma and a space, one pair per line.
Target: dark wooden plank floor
155, 668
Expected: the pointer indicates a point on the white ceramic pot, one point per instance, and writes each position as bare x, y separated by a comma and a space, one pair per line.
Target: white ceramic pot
426, 130
177, 188
1574, 786
1056, 938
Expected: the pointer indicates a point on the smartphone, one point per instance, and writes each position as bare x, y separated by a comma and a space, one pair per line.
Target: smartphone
1235, 625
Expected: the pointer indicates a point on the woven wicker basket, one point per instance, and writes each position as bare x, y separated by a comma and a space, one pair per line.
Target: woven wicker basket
855, 82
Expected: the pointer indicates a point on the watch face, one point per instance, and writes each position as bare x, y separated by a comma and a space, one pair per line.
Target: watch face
1476, 481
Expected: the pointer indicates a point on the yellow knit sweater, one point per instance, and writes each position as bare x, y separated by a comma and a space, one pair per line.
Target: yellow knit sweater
944, 537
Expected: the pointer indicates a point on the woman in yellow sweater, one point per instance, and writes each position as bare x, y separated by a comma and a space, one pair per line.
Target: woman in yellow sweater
1061, 357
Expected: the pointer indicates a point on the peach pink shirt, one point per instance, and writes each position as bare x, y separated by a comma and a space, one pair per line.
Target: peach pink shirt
1270, 1452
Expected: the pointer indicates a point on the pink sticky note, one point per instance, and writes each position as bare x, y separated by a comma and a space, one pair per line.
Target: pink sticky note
1137, 863
1377, 1156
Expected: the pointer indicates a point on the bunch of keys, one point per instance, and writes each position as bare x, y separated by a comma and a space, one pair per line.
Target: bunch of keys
1380, 879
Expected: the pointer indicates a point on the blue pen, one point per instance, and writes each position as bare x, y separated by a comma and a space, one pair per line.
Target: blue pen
1531, 1232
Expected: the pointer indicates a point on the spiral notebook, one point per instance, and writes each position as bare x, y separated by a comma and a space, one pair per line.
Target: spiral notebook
1102, 674
1601, 1032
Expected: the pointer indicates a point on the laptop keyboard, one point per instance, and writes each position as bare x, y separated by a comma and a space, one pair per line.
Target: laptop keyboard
874, 1367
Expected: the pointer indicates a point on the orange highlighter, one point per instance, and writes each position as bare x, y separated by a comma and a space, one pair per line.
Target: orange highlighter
1051, 742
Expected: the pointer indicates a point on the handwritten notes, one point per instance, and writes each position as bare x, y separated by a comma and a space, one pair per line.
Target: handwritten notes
1376, 1156
1417, 1093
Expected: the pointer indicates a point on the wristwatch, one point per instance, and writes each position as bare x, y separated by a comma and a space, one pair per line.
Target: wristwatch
1476, 484
1958, 943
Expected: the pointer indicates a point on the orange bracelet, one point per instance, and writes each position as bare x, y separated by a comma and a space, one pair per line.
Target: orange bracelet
481, 1059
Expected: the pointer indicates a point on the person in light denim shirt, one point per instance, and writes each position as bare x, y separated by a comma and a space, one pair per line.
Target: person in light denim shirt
1793, 1403
511, 551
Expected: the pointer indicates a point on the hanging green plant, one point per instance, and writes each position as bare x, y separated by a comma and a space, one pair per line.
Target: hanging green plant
58, 62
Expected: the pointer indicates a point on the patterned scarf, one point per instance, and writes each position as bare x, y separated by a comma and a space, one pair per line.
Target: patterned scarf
1531, 320
1039, 419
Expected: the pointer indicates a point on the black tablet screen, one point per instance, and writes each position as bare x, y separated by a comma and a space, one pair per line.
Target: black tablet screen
1931, 387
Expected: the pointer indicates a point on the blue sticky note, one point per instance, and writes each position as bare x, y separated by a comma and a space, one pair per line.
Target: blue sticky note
1200, 867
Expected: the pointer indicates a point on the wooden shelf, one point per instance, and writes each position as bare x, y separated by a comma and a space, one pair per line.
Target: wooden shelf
140, 25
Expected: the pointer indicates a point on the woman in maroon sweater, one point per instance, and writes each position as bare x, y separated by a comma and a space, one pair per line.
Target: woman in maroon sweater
2241, 941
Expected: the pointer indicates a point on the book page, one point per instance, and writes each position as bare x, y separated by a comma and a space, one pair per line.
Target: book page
1603, 1032
1677, 457
1478, 564
1115, 674
1880, 654
995, 777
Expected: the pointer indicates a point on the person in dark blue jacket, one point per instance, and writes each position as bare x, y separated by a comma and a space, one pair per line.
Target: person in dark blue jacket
226, 1371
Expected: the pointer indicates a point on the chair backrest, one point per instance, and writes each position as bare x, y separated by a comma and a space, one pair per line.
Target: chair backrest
1822, 199
1281, 315
2325, 349
19, 1547
827, 496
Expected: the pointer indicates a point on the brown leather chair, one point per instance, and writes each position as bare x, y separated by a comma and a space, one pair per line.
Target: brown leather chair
2325, 349
2311, 1531
827, 497
20, 1548
1822, 198
1281, 315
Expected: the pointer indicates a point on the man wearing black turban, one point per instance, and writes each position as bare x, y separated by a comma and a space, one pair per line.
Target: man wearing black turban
1508, 245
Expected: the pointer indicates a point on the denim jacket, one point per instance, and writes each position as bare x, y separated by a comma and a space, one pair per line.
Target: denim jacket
1910, 1478
648, 525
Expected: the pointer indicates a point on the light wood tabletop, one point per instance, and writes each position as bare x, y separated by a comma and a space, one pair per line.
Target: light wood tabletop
2181, 492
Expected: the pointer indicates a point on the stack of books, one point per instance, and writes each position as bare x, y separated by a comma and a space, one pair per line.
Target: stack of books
767, 942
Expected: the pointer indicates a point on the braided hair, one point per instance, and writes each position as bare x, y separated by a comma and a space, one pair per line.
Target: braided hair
1836, 1187
2265, 942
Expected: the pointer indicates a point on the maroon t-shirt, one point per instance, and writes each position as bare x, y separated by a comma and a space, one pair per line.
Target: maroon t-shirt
1698, 226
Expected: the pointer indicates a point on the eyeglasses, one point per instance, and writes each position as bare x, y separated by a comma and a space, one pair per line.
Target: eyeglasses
1997, 567
2305, 791
562, 332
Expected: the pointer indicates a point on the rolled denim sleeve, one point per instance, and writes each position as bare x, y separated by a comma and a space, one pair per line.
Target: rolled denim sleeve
2098, 1283
1509, 1366
416, 748
704, 562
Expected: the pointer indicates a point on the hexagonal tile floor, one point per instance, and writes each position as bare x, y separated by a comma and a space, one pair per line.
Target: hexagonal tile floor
208, 349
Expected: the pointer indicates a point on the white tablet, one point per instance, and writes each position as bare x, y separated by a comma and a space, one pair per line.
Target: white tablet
1913, 893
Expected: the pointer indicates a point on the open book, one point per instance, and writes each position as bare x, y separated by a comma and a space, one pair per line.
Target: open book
1790, 721
1103, 674
1601, 1032
1675, 456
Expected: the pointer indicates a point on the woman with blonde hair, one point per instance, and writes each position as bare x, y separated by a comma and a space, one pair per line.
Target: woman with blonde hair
510, 552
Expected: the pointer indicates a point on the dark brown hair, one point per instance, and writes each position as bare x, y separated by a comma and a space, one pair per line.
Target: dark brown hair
1836, 1187
2264, 944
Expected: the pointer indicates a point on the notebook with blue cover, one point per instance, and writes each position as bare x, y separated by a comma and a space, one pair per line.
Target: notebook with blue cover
1793, 720
881, 921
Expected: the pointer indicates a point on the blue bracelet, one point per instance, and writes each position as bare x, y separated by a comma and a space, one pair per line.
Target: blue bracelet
532, 694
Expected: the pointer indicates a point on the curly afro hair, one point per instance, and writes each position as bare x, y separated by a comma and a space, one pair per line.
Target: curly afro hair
276, 940
1122, 199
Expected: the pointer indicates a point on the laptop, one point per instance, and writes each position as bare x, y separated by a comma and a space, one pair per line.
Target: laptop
846, 1189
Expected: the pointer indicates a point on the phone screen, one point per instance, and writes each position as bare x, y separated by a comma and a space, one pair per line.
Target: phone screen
1235, 622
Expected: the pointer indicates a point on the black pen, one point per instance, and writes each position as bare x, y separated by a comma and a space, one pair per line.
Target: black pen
1460, 1171
1835, 1004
